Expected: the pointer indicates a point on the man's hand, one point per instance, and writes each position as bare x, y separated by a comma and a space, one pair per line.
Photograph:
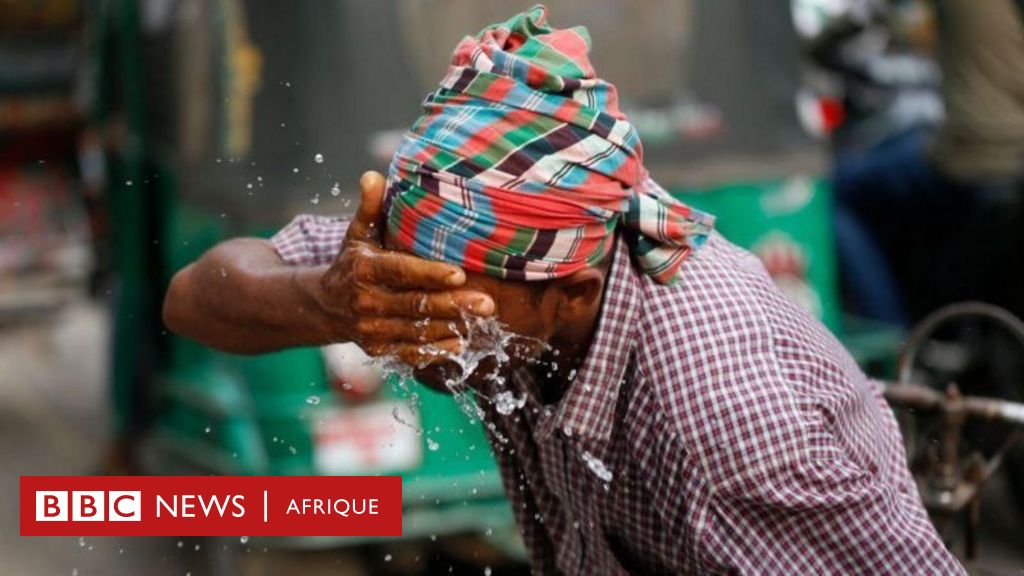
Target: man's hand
241, 297
393, 303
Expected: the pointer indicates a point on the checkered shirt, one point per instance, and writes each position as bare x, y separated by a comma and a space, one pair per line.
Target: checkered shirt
713, 428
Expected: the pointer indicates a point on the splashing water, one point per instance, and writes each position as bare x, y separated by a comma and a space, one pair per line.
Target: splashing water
597, 467
486, 339
506, 402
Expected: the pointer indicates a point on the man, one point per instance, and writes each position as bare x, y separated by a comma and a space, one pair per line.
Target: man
679, 416
948, 191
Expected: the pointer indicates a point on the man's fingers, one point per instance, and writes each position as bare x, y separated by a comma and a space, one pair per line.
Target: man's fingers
371, 203
407, 272
450, 305
418, 354
393, 330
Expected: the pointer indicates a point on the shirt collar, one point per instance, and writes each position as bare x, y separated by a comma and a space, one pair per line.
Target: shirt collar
588, 407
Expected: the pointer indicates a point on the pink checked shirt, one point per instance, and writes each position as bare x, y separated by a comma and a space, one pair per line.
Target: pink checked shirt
714, 428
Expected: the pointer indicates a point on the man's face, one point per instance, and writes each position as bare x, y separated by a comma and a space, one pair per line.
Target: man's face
526, 312
556, 316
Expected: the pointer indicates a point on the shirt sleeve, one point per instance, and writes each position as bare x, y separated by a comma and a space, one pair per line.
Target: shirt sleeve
310, 240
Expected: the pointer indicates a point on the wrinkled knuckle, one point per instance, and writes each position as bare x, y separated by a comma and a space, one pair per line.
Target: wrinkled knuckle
416, 303
364, 303
421, 304
366, 327
362, 269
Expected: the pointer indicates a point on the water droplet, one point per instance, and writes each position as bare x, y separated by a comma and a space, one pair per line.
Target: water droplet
597, 466
432, 445
315, 200
81, 542
335, 190
128, 183
223, 273
506, 402
181, 544
207, 430
295, 170
319, 158
387, 557
313, 400
293, 450
244, 539
487, 571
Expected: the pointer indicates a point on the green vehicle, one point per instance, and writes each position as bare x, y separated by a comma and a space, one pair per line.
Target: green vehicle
236, 115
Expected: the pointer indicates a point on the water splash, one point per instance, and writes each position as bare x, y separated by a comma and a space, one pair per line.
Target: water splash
486, 345
506, 402
597, 467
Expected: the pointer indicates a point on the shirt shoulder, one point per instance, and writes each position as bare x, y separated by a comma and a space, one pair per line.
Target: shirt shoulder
724, 351
310, 240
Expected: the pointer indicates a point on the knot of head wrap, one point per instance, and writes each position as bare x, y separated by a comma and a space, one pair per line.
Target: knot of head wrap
522, 166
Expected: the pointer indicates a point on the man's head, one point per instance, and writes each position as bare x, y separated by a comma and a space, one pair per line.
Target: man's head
522, 170
545, 315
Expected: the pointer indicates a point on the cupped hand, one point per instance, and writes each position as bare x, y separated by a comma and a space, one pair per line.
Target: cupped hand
394, 303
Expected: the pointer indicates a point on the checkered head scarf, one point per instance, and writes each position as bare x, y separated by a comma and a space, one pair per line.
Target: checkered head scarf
522, 166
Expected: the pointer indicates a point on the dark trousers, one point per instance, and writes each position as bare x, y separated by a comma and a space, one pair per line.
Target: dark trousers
909, 237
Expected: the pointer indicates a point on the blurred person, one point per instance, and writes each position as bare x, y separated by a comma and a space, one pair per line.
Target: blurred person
914, 211
664, 408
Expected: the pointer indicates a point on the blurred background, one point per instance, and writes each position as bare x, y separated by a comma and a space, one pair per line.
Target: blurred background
869, 151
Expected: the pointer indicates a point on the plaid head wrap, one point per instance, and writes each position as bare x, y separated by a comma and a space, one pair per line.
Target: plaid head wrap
522, 165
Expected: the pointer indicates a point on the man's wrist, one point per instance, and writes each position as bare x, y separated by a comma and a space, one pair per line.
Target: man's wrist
309, 282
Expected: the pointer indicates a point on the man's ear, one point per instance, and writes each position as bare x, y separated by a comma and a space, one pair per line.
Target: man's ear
579, 294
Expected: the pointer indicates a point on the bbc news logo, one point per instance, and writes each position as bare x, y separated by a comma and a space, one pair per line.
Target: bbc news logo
211, 505
89, 506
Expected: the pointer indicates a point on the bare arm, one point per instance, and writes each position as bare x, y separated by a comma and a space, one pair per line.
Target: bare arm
241, 297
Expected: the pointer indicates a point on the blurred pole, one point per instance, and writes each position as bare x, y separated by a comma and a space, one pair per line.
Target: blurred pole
128, 206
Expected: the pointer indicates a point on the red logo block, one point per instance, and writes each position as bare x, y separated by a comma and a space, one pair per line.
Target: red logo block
211, 505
